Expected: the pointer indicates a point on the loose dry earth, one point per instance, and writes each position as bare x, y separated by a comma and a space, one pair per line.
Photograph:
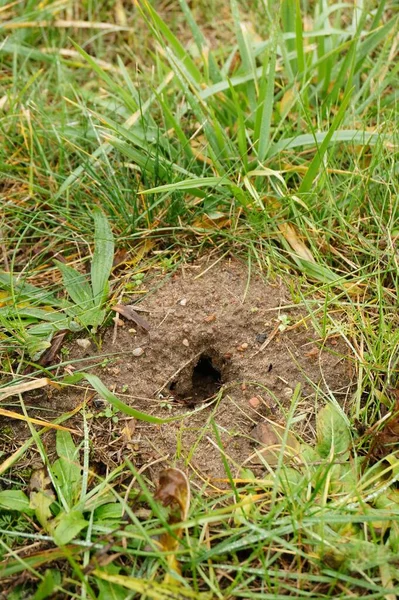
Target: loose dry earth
203, 361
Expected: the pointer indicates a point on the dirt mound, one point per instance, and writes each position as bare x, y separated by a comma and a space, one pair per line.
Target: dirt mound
224, 348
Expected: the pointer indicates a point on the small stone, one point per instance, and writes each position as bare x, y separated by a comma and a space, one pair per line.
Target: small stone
288, 392
186, 342
114, 371
254, 402
83, 343
261, 337
138, 351
183, 302
132, 330
242, 347
313, 353
210, 318
99, 402
118, 322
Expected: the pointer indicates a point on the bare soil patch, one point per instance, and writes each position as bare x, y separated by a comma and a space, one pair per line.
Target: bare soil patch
202, 360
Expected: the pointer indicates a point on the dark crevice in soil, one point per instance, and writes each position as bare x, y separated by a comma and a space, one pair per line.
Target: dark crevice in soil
201, 383
206, 379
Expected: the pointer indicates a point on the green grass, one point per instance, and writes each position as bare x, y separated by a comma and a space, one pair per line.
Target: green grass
285, 126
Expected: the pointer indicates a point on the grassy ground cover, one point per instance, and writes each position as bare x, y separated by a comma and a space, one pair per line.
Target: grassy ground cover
159, 131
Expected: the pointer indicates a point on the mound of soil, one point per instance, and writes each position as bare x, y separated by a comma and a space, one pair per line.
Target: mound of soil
214, 355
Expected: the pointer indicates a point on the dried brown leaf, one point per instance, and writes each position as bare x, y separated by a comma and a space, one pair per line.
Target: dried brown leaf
128, 430
298, 246
48, 357
271, 436
129, 313
174, 490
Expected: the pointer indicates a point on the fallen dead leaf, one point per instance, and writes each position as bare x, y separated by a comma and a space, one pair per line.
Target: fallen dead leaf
215, 220
128, 430
288, 99
49, 356
174, 492
129, 313
271, 436
39, 480
299, 247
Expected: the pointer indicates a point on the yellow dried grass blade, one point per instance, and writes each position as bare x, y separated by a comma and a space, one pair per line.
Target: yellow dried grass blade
15, 415
152, 589
21, 388
11, 460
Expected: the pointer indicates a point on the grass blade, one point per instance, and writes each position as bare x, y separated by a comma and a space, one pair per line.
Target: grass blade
103, 257
311, 174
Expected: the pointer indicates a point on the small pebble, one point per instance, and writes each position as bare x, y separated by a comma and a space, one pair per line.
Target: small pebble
83, 343
132, 330
138, 352
261, 337
183, 302
254, 402
118, 322
99, 402
242, 347
210, 318
313, 353
288, 392
186, 342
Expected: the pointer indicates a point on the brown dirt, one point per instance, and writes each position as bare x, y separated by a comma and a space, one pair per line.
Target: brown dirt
202, 342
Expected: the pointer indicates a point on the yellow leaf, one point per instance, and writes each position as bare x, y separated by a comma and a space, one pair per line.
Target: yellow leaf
152, 589
288, 99
120, 13
216, 220
298, 246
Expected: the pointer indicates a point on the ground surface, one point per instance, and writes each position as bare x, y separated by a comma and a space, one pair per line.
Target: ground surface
208, 323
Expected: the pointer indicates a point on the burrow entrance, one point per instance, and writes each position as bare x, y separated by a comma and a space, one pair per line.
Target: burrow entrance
200, 380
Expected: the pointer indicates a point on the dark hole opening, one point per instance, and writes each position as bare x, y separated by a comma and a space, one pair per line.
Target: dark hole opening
206, 379
203, 382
